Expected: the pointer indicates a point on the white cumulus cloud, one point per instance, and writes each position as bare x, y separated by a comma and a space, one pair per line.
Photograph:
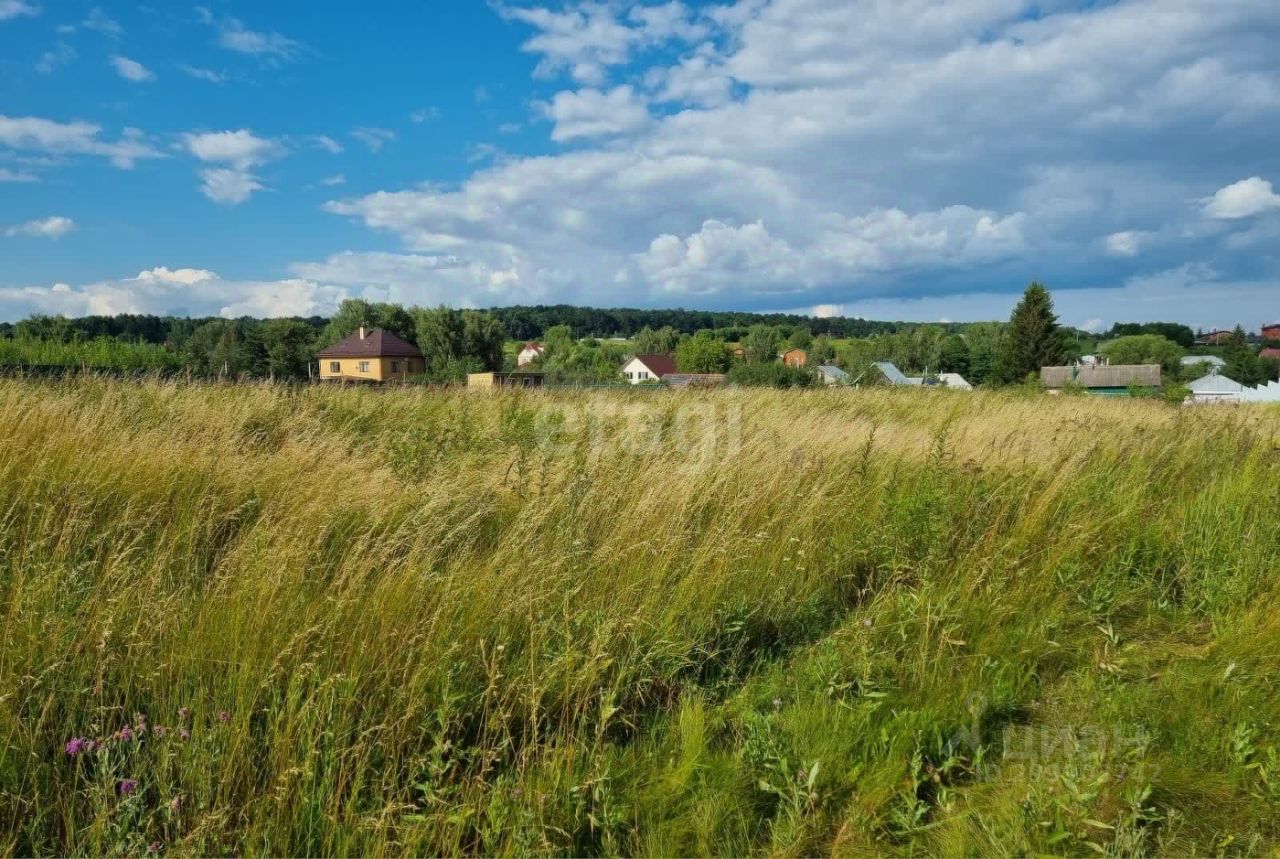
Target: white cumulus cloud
131, 70
593, 113
227, 186
49, 137
1244, 199
45, 228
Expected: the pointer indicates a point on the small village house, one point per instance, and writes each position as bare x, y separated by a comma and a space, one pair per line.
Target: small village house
370, 356
1216, 337
1215, 388
1108, 380
1271, 331
795, 357
830, 374
1270, 352
530, 352
648, 368
888, 373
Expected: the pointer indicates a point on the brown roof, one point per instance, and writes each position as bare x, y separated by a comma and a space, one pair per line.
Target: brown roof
1104, 376
659, 365
375, 344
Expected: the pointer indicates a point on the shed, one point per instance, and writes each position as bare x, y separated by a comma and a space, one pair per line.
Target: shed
1112, 380
830, 374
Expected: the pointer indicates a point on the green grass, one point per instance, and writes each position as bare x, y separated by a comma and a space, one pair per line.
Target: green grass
845, 622
102, 353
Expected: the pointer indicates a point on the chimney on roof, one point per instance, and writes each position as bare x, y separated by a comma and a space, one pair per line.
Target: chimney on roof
361, 332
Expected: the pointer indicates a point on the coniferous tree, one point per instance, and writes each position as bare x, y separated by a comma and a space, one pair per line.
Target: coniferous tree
1032, 339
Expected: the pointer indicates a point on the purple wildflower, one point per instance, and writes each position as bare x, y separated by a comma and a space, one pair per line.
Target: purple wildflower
184, 734
160, 730
154, 848
224, 716
184, 714
128, 786
125, 734
78, 745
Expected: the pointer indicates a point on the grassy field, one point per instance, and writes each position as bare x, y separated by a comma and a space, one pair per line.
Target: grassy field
256, 620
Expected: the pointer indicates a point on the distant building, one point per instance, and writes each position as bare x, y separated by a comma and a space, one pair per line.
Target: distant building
1271, 331
695, 380
1216, 337
1213, 361
518, 379
955, 381
830, 374
1113, 380
895, 377
1215, 388
530, 352
795, 357
1270, 352
648, 368
370, 356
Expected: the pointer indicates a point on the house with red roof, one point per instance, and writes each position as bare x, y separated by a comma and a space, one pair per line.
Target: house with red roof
530, 352
1271, 332
648, 368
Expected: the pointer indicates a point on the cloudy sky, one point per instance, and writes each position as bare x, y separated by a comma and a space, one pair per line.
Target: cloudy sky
905, 159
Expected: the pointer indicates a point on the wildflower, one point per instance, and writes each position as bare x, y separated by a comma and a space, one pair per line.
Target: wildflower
184, 714
128, 786
160, 730
867, 623
224, 716
125, 734
78, 745
777, 703
175, 804
184, 734
154, 848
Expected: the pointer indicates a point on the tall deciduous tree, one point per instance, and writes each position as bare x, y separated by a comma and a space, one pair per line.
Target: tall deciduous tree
661, 341
702, 353
1032, 339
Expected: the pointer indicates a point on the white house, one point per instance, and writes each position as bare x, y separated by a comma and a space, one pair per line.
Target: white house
648, 368
1214, 388
531, 352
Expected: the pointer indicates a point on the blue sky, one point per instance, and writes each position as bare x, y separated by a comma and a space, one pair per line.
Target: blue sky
913, 160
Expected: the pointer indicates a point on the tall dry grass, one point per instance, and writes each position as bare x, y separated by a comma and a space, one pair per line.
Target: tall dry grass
846, 622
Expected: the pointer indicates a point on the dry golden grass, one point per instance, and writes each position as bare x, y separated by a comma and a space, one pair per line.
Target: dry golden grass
841, 622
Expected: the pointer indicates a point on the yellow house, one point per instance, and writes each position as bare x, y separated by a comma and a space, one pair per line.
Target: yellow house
371, 356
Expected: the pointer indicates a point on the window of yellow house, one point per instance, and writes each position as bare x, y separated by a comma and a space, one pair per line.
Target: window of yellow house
364, 366
335, 366
395, 366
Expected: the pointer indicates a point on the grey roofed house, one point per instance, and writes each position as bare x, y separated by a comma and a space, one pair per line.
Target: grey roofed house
1104, 376
832, 375
1211, 360
1214, 386
893, 375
